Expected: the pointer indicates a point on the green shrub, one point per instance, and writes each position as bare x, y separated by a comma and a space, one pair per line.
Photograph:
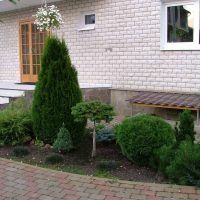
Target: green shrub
57, 91
99, 127
106, 135
63, 142
185, 167
107, 165
54, 158
185, 130
140, 136
16, 124
163, 157
20, 151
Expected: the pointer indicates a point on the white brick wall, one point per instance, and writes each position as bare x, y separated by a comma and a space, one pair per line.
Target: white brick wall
130, 28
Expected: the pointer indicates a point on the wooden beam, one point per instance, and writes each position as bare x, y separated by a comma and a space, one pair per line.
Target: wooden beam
163, 106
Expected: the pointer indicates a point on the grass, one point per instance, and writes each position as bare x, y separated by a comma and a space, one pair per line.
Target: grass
69, 169
104, 174
58, 167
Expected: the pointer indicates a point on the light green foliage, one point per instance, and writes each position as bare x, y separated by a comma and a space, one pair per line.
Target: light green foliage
54, 159
20, 151
16, 123
185, 167
63, 142
57, 91
185, 130
106, 135
140, 136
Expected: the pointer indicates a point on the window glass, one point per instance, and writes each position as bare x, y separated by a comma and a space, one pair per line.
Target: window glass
90, 19
180, 23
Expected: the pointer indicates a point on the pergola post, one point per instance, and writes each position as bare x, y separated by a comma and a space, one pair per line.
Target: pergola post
197, 117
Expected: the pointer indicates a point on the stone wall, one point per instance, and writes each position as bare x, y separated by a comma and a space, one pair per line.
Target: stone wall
123, 50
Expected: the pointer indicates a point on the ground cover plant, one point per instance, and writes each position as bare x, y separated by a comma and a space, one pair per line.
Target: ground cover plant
57, 91
94, 111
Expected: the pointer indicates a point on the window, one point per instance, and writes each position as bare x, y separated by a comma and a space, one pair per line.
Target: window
87, 21
180, 25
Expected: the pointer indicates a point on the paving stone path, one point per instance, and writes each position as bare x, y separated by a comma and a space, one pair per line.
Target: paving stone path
24, 182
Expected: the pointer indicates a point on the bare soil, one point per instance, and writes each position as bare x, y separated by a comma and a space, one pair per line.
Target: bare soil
81, 159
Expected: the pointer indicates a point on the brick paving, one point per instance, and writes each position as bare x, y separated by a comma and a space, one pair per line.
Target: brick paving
24, 182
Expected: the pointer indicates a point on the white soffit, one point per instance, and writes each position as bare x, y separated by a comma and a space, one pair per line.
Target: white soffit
6, 5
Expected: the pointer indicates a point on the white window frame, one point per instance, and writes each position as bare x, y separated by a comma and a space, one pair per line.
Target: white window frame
180, 45
82, 25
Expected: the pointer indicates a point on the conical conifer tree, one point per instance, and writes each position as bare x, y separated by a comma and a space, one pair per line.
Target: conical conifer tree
57, 91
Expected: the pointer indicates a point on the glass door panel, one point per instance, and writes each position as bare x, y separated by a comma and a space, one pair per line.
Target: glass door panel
31, 45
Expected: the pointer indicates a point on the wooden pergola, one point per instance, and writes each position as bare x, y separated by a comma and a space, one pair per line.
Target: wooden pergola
168, 100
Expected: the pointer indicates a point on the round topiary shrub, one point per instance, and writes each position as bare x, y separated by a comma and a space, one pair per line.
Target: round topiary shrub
54, 158
140, 136
20, 151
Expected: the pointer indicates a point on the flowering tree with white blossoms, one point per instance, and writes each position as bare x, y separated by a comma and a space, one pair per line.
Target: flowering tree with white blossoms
48, 18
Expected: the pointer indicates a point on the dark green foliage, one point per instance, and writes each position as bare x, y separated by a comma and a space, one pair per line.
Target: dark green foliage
16, 124
57, 91
54, 159
63, 142
106, 135
107, 165
185, 167
163, 157
20, 151
185, 130
140, 136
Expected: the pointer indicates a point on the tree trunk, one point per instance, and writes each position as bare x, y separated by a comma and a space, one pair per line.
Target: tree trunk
94, 141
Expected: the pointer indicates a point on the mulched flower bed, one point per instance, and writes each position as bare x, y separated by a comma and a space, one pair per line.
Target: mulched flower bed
79, 161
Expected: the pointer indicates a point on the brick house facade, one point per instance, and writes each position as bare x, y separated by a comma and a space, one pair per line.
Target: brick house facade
123, 50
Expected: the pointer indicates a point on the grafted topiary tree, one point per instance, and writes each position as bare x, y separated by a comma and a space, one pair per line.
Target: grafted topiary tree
57, 91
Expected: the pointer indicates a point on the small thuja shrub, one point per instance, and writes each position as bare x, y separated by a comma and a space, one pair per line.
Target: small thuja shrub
20, 151
107, 165
185, 128
106, 135
63, 142
54, 158
57, 91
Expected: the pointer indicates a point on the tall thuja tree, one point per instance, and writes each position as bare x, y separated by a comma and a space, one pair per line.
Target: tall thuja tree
57, 91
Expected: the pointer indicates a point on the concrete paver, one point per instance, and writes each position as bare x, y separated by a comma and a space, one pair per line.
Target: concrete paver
26, 182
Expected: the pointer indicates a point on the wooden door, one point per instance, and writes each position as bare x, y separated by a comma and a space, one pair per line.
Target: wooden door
31, 48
